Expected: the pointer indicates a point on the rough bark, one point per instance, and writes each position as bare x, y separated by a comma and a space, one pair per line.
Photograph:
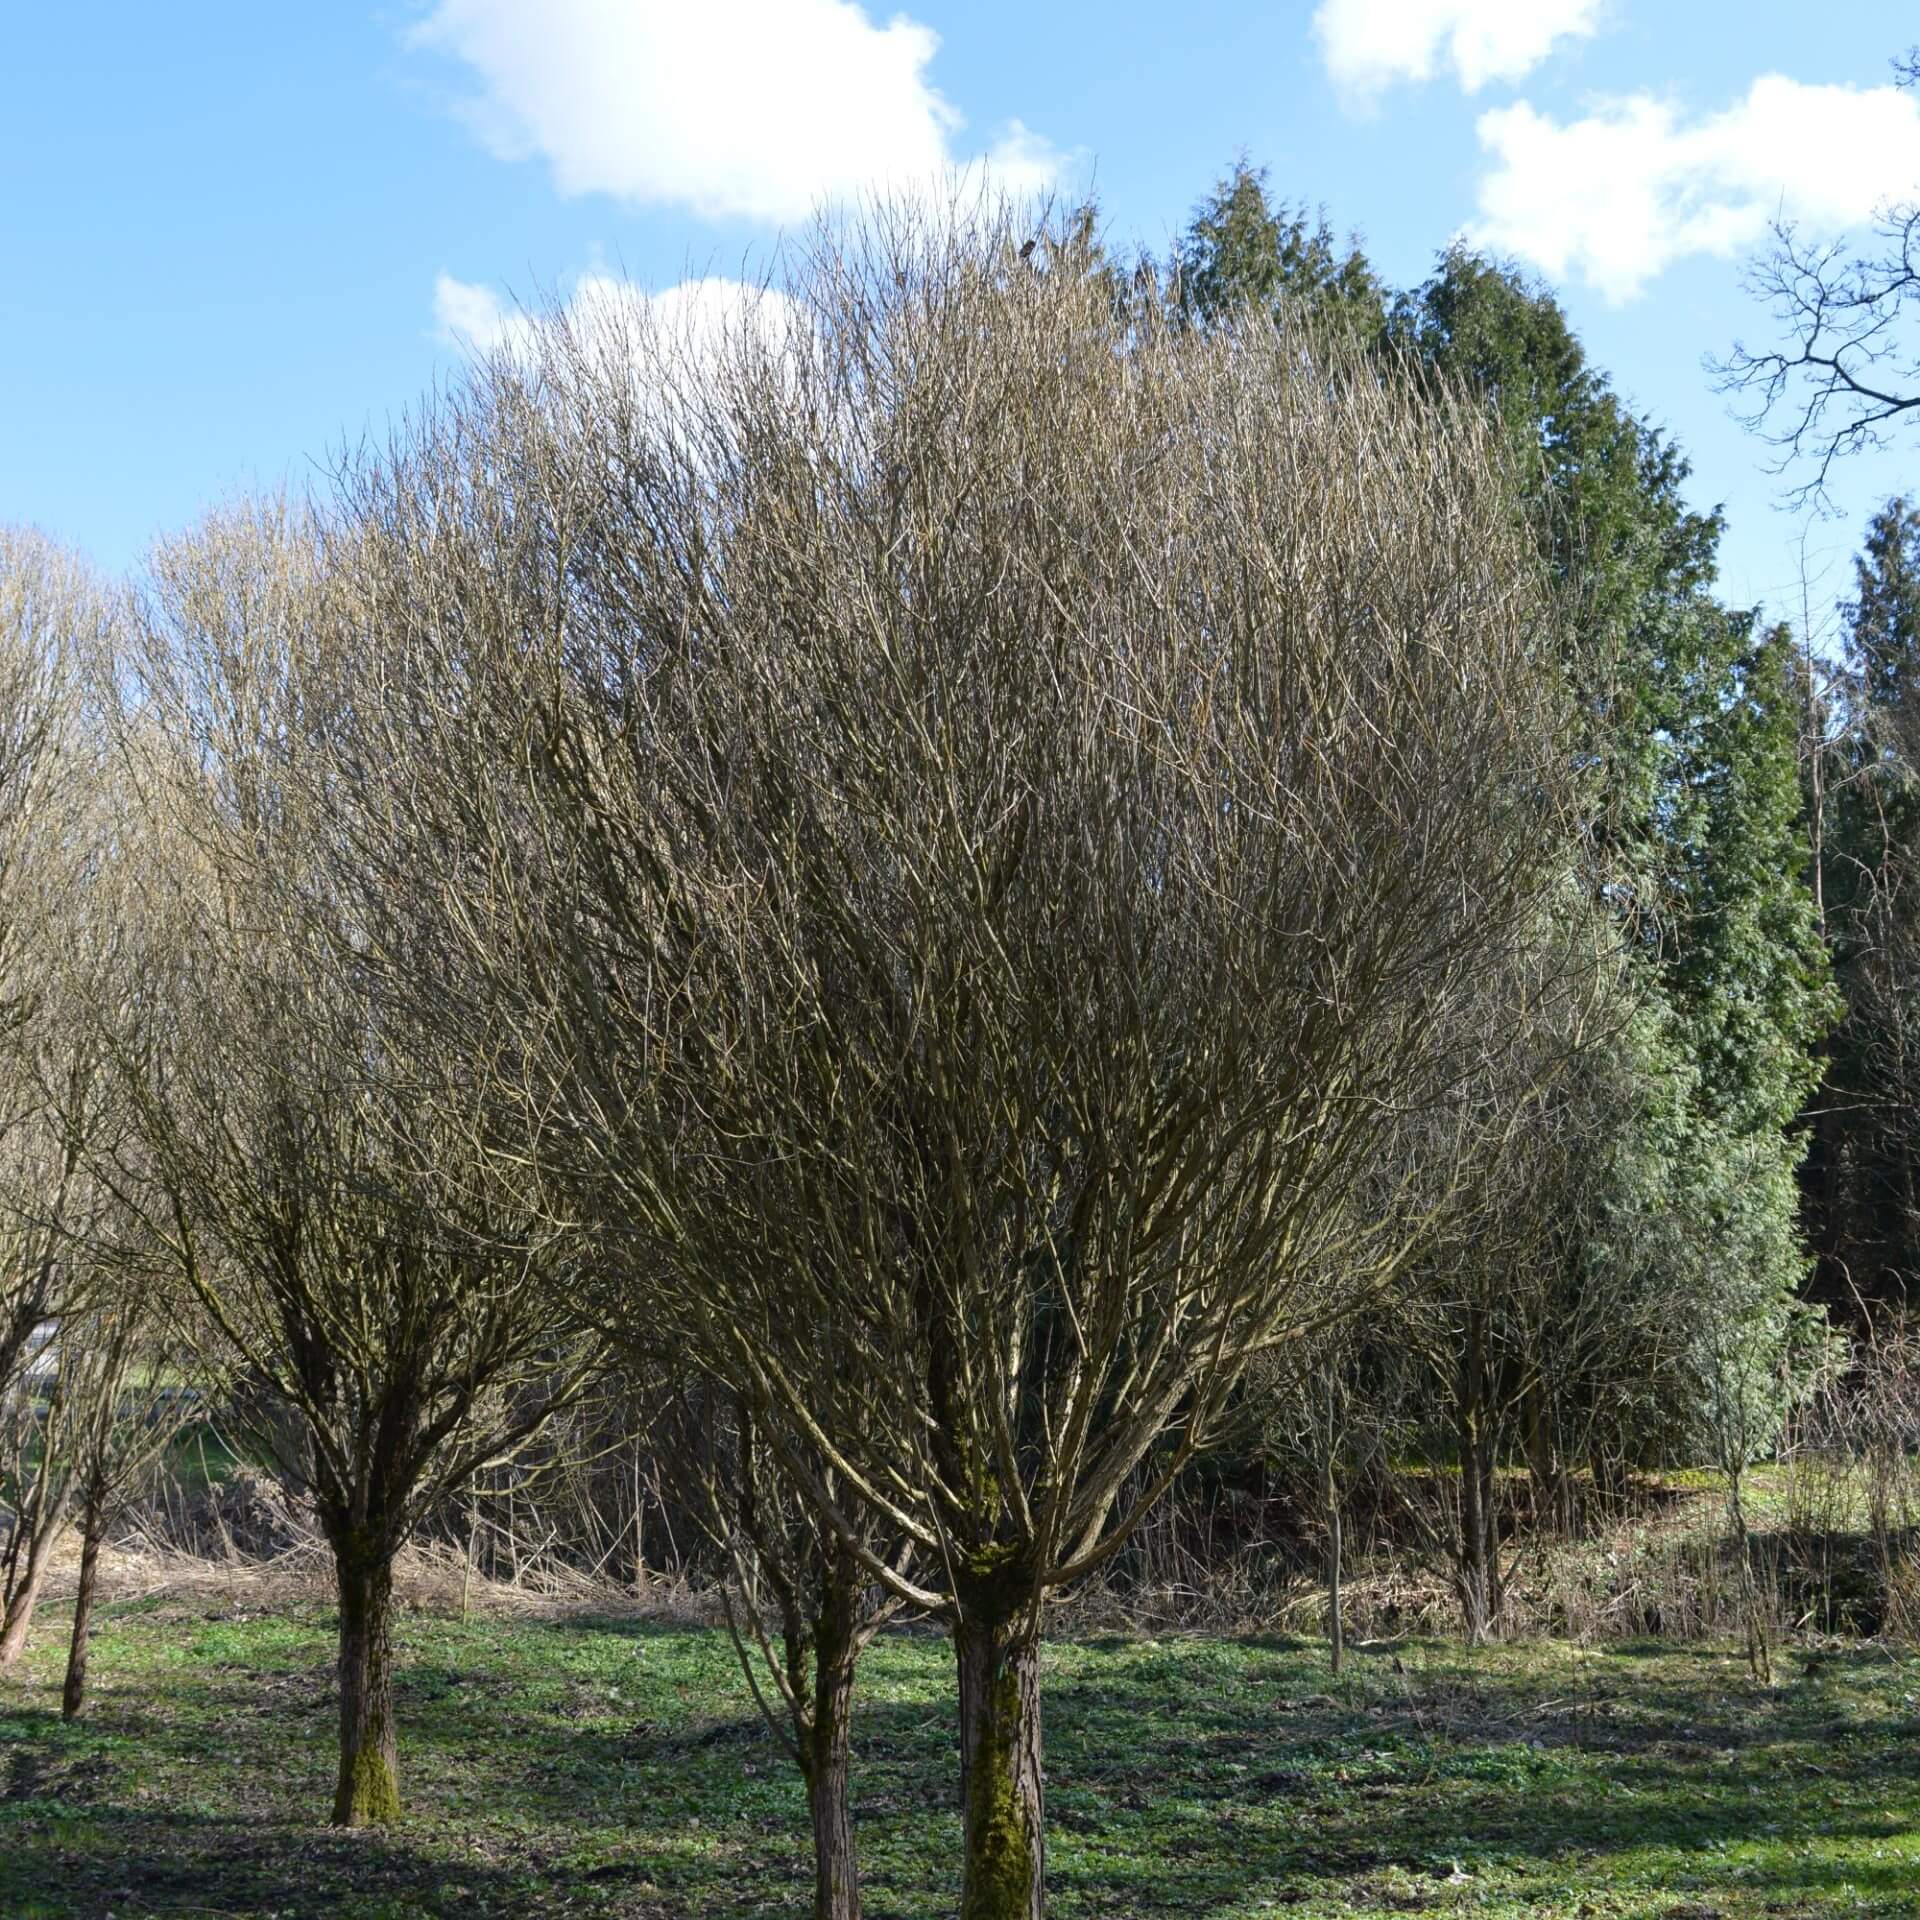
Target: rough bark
73, 1693
1000, 1771
19, 1614
368, 1792
828, 1758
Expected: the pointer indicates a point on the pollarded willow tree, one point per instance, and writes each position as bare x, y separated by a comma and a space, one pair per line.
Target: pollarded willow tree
51, 616
1007, 793
454, 545
801, 1603
311, 1161
55, 624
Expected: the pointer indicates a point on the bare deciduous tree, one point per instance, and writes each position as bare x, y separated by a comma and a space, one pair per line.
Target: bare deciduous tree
1848, 369
802, 1605
51, 615
316, 1165
1008, 793
55, 623
125, 1382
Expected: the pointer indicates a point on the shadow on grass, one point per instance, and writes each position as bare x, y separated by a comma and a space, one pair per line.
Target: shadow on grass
618, 1767
116, 1859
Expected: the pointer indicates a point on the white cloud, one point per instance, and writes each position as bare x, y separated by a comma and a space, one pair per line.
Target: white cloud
761, 108
1369, 44
1634, 186
693, 318
474, 317
1020, 162
662, 348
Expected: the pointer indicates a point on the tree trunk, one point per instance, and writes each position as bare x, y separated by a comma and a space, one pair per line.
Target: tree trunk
368, 1792
1551, 1506
19, 1613
1758, 1657
836, 1885
639, 1531
1470, 1550
1471, 1577
473, 1538
1336, 1629
73, 1695
1000, 1778
1490, 1524
1477, 1554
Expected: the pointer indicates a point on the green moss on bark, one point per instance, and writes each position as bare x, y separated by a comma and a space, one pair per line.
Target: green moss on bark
1000, 1863
369, 1794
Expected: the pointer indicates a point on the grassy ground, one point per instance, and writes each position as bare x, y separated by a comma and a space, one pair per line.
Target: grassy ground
611, 1767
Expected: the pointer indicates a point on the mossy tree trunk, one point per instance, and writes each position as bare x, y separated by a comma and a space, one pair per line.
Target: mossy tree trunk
93, 1529
368, 1791
1000, 1772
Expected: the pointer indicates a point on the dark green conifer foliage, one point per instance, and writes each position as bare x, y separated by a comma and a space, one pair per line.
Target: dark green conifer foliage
1692, 739
1243, 250
1748, 973
1633, 559
1883, 619
1863, 1186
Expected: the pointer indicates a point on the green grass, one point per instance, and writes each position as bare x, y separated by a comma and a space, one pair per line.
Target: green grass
615, 1768
202, 1455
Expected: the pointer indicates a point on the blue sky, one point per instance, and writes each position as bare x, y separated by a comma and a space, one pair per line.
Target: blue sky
234, 236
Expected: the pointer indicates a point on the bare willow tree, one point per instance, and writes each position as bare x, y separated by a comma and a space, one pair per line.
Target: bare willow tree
1492, 1314
92, 1407
129, 1371
118, 1395
55, 623
36, 1480
52, 1212
452, 547
52, 616
1315, 1415
312, 1163
991, 801
802, 1605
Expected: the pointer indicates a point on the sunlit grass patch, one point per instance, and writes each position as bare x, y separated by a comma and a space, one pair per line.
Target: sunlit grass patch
617, 1767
